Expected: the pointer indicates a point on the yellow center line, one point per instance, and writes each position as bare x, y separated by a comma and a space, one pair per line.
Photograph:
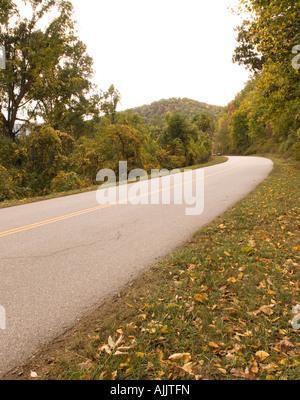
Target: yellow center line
101, 207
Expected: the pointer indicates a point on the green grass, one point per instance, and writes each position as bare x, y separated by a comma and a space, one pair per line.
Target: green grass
214, 160
219, 308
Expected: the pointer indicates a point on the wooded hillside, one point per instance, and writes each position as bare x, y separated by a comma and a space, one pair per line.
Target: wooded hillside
187, 107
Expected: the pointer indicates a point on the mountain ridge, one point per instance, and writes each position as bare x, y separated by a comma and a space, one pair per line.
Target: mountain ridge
185, 106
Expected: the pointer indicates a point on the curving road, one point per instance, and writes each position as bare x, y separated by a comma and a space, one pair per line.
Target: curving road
60, 258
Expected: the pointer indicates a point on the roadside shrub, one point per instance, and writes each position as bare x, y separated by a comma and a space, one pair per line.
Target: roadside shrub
65, 181
6, 185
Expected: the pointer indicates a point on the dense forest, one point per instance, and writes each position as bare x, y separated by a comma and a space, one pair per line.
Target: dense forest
265, 116
57, 130
155, 112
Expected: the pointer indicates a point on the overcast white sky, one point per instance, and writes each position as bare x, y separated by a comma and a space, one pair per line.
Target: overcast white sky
154, 49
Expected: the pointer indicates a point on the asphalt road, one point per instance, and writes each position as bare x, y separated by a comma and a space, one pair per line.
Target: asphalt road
60, 258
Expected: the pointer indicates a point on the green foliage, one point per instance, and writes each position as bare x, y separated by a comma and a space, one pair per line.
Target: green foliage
187, 143
197, 152
46, 155
65, 181
271, 33
109, 102
87, 158
265, 116
56, 133
6, 185
47, 71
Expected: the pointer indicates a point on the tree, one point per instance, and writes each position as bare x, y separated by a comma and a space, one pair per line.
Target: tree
47, 151
177, 128
270, 104
109, 102
204, 123
47, 71
270, 33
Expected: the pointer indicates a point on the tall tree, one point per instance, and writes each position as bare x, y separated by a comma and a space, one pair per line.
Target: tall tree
267, 40
47, 69
269, 33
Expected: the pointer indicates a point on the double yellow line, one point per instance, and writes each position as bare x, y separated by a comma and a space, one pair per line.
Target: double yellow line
101, 207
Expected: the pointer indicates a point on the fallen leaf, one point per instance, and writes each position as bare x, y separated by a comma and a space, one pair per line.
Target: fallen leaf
232, 279
262, 355
283, 361
85, 365
178, 356
254, 369
266, 310
85, 378
270, 378
164, 329
110, 342
248, 250
198, 297
222, 370
237, 372
285, 342
105, 348
102, 375
188, 367
160, 355
114, 375
271, 366
214, 345
128, 371
94, 337
143, 316
120, 353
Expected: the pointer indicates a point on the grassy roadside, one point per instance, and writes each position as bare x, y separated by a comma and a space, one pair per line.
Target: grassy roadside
214, 160
219, 308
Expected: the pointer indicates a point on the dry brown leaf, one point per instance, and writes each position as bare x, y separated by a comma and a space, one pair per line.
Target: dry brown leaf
178, 356
120, 353
266, 310
285, 342
271, 366
86, 365
237, 372
114, 375
188, 367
